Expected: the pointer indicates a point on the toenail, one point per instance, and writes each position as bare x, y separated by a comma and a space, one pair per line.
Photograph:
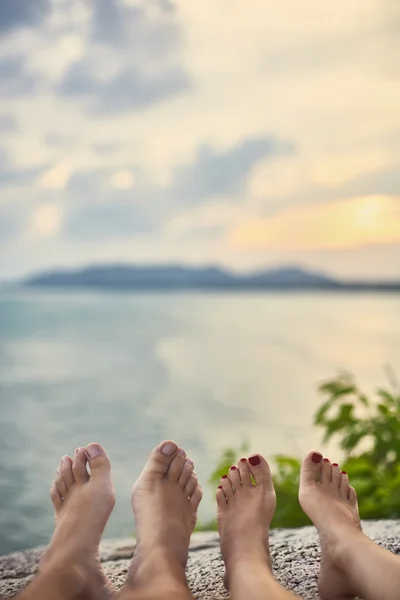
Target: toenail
220, 487
234, 468
326, 459
93, 451
316, 457
189, 460
168, 449
335, 465
181, 452
254, 460
243, 460
343, 473
224, 477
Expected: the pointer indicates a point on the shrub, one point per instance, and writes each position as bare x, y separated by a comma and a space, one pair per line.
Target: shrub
366, 430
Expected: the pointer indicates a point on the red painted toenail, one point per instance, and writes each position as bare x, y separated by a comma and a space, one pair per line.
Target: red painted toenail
335, 465
224, 476
234, 468
220, 487
243, 460
316, 458
326, 459
254, 460
343, 472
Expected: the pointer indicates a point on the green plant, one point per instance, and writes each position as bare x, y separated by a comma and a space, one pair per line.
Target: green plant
368, 433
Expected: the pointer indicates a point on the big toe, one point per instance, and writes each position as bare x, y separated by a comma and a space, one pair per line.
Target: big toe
160, 459
99, 462
259, 468
311, 469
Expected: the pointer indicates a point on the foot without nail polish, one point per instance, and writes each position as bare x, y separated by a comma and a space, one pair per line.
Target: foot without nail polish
168, 449
93, 451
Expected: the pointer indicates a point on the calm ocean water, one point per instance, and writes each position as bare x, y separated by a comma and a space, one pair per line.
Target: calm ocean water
206, 370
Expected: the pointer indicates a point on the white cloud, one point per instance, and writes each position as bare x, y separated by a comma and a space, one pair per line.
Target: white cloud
51, 60
123, 180
46, 220
55, 178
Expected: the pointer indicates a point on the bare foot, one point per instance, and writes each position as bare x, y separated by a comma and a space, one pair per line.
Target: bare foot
331, 503
245, 513
165, 500
83, 504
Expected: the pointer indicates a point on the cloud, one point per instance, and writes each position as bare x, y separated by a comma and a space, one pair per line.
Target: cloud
384, 181
116, 210
46, 220
8, 123
11, 177
344, 224
55, 178
132, 59
130, 88
123, 180
14, 79
110, 221
19, 13
215, 173
148, 27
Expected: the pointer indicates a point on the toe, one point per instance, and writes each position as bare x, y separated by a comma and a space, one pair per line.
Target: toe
79, 466
344, 485
186, 472
352, 497
99, 462
176, 467
244, 471
56, 497
260, 470
326, 471
66, 471
227, 486
191, 485
196, 497
234, 476
221, 498
336, 476
61, 486
160, 459
311, 469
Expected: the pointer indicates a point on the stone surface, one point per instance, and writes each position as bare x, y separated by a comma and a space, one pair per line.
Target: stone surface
295, 557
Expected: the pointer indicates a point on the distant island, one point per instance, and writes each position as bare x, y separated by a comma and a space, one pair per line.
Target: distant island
178, 277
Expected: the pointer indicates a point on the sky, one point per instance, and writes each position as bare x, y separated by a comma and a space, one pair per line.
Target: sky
243, 134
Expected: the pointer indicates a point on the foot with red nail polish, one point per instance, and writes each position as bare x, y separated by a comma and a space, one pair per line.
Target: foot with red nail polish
245, 511
83, 503
331, 503
165, 500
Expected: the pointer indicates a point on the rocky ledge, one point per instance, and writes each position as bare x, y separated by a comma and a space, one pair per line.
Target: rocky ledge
295, 557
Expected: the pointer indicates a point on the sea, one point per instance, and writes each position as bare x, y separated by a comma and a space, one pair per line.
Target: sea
209, 370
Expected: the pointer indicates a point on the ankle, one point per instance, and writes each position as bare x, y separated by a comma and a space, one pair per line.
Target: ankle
154, 565
243, 557
343, 547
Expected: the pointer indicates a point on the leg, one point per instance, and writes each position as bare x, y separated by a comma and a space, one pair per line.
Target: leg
165, 500
83, 504
65, 584
245, 513
352, 564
